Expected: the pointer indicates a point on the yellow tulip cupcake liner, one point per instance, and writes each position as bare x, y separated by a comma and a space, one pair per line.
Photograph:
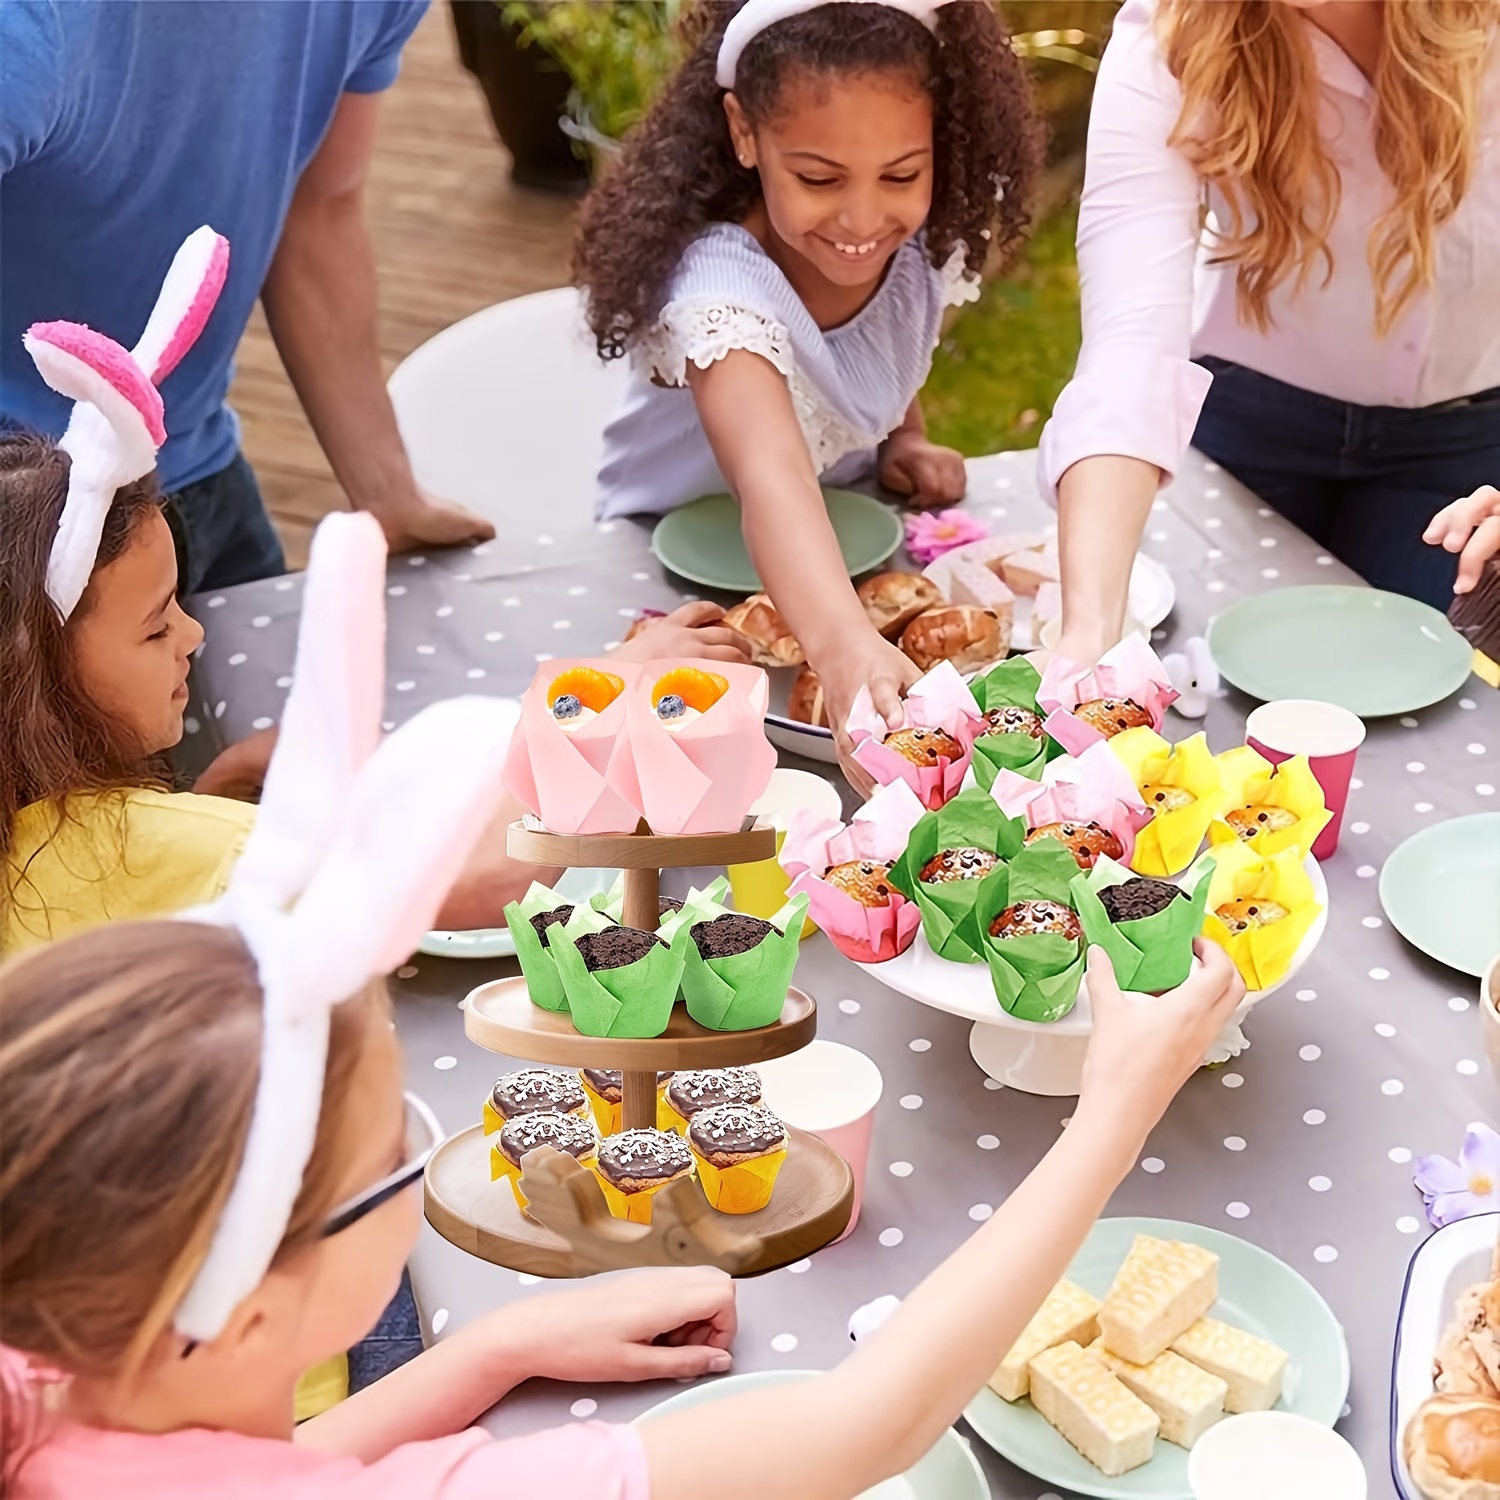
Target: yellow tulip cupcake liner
744, 1188
1253, 784
1261, 954
1168, 843
607, 1113
633, 1207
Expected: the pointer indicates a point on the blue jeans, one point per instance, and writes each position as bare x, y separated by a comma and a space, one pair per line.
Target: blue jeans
222, 531
1362, 481
394, 1340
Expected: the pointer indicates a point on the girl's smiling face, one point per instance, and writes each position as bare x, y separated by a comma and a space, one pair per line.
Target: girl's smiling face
132, 641
845, 169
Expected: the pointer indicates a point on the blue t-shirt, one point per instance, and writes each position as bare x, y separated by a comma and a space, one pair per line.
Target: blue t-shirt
123, 127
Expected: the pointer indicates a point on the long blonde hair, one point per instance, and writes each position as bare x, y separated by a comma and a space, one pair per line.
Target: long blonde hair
1249, 124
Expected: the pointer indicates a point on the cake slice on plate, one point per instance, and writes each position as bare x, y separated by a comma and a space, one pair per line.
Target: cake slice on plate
1068, 1313
1162, 1289
1186, 1400
1252, 1368
1086, 1402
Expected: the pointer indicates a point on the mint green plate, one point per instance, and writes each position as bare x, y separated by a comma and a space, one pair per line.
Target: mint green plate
1441, 890
702, 541
948, 1471
1368, 651
1257, 1292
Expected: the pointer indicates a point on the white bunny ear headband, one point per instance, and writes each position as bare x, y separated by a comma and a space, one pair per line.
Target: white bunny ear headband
756, 15
356, 844
117, 423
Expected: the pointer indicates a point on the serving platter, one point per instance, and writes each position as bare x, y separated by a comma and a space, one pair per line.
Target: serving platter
1257, 1292
1033, 1056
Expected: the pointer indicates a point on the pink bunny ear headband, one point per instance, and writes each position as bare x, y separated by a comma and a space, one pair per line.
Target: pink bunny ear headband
117, 424
356, 844
756, 15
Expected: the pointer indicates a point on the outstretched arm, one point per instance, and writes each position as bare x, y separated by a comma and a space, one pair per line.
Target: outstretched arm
890, 1400
321, 301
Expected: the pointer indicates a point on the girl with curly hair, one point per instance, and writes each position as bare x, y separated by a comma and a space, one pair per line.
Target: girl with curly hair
774, 250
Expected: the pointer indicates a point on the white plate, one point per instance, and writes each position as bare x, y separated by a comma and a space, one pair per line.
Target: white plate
1152, 596
948, 1471
1445, 1264
1042, 1057
496, 942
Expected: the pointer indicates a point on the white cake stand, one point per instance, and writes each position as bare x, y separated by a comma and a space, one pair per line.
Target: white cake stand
1039, 1057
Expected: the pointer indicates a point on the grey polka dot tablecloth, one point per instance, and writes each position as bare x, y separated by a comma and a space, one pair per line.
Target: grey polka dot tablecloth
1303, 1144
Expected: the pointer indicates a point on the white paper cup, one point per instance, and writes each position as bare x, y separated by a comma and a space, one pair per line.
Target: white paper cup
1278, 1454
830, 1091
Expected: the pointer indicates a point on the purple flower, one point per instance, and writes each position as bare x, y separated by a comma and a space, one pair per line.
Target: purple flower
1460, 1189
929, 534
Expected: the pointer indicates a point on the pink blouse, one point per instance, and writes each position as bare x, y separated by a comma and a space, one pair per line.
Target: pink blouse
1151, 301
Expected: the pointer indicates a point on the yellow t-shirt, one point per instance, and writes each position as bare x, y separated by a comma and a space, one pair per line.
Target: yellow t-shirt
116, 856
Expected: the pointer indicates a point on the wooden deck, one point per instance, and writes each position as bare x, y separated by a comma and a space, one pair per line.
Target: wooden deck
452, 235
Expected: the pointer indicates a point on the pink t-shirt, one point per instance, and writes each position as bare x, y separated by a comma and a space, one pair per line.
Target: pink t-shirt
589, 1461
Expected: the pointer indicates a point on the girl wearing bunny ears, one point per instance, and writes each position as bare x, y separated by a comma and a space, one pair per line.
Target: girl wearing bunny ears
774, 249
205, 1173
93, 675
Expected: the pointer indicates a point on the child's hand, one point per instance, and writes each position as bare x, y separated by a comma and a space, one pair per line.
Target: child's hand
1145, 1047
668, 1324
1470, 527
240, 771
690, 630
926, 474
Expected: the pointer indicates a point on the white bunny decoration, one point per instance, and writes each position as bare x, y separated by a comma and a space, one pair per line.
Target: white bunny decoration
354, 848
118, 423
1193, 673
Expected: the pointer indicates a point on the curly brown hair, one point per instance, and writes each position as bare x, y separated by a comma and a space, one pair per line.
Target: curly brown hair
54, 740
677, 172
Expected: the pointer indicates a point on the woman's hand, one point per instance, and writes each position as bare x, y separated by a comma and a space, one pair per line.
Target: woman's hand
1470, 527
694, 629
240, 771
1145, 1047
667, 1324
926, 474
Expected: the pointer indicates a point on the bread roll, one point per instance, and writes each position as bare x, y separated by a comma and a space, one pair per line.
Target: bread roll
1452, 1446
964, 634
805, 703
894, 600
772, 643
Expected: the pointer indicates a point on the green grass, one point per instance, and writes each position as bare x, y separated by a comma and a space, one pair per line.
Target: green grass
1007, 357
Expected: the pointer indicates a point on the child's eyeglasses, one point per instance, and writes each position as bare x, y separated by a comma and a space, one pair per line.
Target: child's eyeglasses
423, 1136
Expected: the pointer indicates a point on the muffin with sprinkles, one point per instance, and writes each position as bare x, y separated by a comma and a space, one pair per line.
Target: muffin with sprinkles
704, 1088
530, 1090
739, 1149
635, 1165
573, 1134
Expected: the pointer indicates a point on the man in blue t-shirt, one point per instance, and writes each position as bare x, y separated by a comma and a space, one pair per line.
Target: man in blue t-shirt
123, 127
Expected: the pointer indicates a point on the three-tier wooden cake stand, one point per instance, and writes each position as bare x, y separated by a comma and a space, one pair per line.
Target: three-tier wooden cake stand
577, 1235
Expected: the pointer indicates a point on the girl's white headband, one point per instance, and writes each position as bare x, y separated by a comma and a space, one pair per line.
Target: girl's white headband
756, 15
118, 424
355, 846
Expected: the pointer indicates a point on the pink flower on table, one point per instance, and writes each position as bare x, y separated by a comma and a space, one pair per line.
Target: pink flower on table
1460, 1189
929, 534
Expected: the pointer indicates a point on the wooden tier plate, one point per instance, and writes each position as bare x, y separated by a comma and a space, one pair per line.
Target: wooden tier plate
639, 851
501, 1017
809, 1208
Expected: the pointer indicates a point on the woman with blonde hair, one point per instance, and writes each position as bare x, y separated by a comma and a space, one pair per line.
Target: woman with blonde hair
1289, 250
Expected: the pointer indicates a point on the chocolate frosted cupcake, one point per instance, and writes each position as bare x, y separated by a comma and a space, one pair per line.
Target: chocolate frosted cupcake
958, 864
1139, 897
605, 1088
615, 947
706, 1088
570, 1133
739, 1149
635, 1165
529, 1091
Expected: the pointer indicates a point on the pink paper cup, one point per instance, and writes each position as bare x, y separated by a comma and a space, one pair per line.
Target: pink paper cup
1329, 736
830, 1091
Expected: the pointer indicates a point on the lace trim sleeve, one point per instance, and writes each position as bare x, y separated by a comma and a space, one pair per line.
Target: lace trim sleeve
703, 332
